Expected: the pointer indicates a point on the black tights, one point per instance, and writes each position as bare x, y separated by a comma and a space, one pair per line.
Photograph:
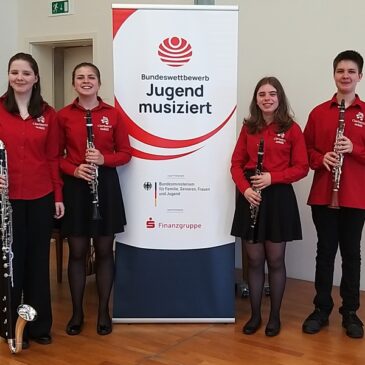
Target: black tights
104, 259
274, 254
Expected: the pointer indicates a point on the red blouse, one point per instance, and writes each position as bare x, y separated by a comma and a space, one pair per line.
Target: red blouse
32, 147
110, 135
285, 155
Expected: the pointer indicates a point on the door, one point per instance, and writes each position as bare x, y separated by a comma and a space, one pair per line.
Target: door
72, 57
56, 60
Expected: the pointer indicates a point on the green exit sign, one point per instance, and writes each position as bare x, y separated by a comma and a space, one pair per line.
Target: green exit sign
60, 7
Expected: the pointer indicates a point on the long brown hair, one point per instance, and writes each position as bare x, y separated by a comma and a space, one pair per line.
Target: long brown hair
283, 116
36, 102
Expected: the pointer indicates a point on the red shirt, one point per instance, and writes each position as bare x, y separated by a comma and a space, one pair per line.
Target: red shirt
110, 135
320, 135
32, 147
285, 155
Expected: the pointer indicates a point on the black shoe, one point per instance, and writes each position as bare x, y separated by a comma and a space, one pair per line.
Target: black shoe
273, 330
25, 344
43, 340
104, 330
353, 325
104, 325
251, 326
74, 329
315, 321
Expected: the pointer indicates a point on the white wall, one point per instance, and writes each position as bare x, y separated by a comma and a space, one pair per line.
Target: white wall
9, 36
293, 40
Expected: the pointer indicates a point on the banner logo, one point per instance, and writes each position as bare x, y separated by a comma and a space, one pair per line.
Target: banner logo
175, 51
150, 223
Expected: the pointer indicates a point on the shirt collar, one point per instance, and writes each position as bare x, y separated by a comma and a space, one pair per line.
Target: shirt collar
102, 105
356, 102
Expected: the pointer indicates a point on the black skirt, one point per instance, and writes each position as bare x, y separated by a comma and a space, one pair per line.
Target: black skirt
278, 217
78, 206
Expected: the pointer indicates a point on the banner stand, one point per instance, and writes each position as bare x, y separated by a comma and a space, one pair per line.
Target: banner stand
176, 88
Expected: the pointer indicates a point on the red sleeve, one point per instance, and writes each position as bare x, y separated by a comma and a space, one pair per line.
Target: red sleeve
358, 153
239, 160
65, 166
315, 157
122, 149
52, 153
298, 165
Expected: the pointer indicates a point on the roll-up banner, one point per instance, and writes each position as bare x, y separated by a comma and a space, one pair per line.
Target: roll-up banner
175, 80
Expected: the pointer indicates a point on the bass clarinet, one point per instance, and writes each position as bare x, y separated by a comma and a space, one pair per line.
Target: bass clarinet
94, 182
258, 171
337, 170
26, 312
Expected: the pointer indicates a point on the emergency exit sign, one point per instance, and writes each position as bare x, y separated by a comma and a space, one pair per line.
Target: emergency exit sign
60, 7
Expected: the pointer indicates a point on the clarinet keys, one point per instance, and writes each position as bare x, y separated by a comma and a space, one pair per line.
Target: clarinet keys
95, 214
258, 171
337, 170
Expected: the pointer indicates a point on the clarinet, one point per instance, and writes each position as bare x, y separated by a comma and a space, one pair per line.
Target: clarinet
94, 182
253, 208
26, 313
337, 170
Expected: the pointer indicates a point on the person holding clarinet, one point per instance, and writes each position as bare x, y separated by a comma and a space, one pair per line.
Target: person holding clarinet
269, 156
94, 141
335, 138
29, 137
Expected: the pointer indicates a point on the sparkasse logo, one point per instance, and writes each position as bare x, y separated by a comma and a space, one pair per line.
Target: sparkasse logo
150, 223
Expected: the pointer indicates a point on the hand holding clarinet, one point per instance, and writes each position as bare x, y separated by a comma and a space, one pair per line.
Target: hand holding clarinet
333, 160
86, 171
89, 170
259, 181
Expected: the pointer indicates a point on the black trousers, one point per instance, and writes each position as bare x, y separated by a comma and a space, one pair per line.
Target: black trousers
338, 228
32, 229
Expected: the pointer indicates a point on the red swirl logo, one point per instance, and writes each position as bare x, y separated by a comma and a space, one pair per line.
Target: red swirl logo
175, 51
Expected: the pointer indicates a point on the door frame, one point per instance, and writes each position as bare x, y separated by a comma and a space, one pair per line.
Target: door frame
43, 50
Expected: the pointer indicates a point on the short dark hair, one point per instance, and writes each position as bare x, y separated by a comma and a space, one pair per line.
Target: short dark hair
349, 55
86, 64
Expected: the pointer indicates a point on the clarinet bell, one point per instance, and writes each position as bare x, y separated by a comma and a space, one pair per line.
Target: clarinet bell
95, 213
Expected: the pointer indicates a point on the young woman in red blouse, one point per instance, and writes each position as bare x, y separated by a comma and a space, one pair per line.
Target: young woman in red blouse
278, 221
29, 130
79, 165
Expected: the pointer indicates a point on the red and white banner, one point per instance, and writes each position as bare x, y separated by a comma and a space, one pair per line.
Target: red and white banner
175, 79
176, 84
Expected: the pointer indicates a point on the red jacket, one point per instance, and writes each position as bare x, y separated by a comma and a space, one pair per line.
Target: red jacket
32, 147
110, 135
285, 155
320, 135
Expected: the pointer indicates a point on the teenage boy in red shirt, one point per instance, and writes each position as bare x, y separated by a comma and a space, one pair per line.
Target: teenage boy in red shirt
340, 227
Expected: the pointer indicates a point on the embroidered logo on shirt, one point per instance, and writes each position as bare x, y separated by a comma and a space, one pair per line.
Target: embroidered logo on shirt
280, 138
40, 123
359, 121
104, 120
104, 126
